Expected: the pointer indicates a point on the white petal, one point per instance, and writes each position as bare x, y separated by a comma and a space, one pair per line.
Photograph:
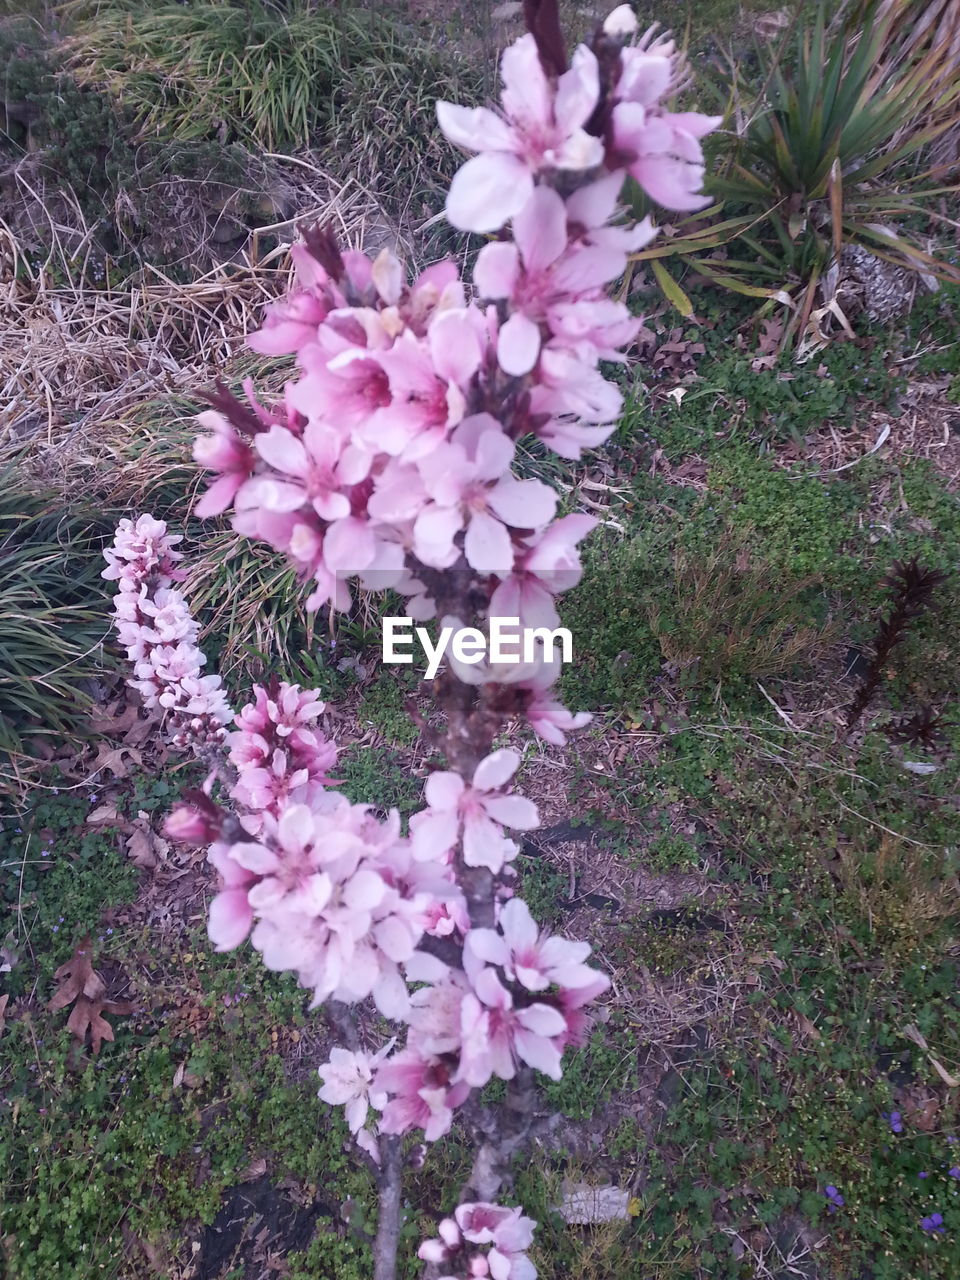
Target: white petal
496, 769
488, 191
518, 345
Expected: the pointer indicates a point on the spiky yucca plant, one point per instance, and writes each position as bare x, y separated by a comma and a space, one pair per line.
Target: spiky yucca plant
829, 154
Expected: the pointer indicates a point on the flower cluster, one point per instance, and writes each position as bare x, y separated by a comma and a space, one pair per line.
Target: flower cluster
506, 1231
278, 751
518, 999
390, 456
154, 624
389, 461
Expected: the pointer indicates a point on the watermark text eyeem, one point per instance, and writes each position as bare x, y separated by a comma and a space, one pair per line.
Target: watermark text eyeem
507, 642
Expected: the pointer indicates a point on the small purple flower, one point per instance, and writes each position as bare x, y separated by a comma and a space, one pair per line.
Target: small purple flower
934, 1223
896, 1121
93, 796
954, 1172
109, 931
835, 1198
56, 928
923, 1175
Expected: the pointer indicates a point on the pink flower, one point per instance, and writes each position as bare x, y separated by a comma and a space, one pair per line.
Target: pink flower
541, 129
348, 1081
477, 810
466, 480
427, 381
434, 1017
660, 149
309, 471
495, 1034
422, 1095
226, 452
539, 273
536, 961
195, 823
277, 749
142, 550
290, 324
550, 565
571, 1001
510, 1233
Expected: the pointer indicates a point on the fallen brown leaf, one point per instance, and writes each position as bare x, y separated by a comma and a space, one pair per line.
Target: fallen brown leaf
144, 847
119, 760
82, 986
104, 815
3, 1011
952, 1082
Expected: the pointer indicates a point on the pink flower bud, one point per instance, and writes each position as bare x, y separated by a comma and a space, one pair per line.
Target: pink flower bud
188, 824
449, 1233
433, 1251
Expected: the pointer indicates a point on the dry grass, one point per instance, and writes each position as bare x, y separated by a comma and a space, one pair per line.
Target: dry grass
906, 891
76, 357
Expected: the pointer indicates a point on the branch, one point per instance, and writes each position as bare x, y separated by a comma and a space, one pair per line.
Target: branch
388, 1223
512, 1127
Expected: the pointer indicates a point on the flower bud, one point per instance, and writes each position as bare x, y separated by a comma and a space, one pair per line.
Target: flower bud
194, 823
433, 1251
449, 1233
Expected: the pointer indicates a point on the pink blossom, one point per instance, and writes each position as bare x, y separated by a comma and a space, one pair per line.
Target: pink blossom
479, 811
142, 550
348, 1081
195, 822
540, 273
571, 1001
549, 565
466, 480
541, 128
660, 149
290, 325
422, 1095
222, 451
495, 1034
277, 748
536, 961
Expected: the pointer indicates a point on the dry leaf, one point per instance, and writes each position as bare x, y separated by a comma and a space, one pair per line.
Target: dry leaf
925, 1117
952, 1082
144, 847
913, 1033
807, 1027
112, 758
254, 1170
103, 816
82, 986
3, 1011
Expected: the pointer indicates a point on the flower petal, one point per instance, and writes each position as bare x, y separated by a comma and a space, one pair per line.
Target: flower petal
518, 345
487, 191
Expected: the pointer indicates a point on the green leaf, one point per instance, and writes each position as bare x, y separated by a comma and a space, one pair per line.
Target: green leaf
671, 290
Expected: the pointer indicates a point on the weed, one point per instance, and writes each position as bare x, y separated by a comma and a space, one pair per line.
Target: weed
732, 614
